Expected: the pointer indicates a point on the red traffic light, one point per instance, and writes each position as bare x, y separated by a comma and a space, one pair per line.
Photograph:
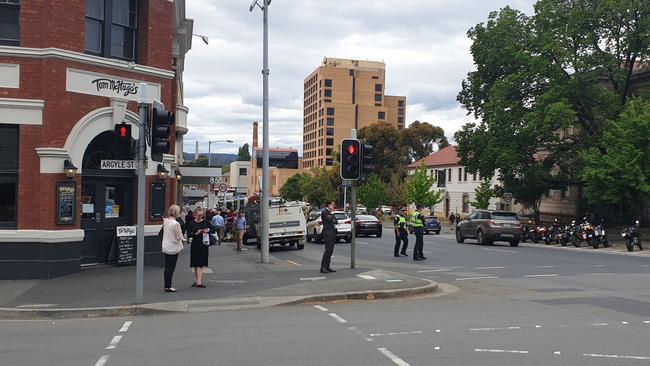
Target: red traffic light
352, 149
122, 132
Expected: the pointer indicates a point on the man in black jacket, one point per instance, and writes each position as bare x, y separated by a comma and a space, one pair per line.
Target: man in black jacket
329, 235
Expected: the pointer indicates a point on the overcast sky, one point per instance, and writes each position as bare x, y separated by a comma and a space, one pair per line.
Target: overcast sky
422, 42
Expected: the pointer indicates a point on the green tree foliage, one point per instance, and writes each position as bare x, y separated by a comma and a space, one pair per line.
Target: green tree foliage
420, 138
483, 193
225, 168
396, 191
320, 189
244, 154
537, 76
420, 189
372, 193
622, 176
201, 161
295, 188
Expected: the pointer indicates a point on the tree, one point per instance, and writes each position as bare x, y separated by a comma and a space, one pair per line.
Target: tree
372, 193
396, 191
420, 189
420, 138
388, 154
320, 189
295, 188
201, 161
483, 193
225, 168
243, 154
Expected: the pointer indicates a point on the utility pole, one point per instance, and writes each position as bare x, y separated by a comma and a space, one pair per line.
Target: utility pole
353, 205
142, 164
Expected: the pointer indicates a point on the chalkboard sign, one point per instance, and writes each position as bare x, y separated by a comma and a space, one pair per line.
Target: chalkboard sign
157, 200
66, 202
125, 241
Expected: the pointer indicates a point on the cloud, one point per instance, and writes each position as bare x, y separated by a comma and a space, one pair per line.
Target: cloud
423, 43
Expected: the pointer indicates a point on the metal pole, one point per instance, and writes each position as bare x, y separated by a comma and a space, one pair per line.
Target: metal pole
142, 135
207, 203
265, 147
353, 205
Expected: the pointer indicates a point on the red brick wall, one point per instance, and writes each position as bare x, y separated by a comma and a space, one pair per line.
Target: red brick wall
155, 33
53, 23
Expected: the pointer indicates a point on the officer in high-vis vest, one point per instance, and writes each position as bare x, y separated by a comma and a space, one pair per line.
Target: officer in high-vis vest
401, 232
417, 221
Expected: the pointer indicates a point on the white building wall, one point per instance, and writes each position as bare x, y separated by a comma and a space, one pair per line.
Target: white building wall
237, 181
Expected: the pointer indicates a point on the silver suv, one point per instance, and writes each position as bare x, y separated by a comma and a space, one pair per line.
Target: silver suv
490, 226
315, 226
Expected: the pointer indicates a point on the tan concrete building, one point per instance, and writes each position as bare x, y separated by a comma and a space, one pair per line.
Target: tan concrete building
342, 94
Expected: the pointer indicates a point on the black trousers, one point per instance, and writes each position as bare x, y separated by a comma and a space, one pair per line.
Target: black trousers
403, 238
329, 239
170, 266
419, 243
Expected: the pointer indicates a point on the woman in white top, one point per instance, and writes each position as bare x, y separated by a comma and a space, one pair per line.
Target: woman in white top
172, 244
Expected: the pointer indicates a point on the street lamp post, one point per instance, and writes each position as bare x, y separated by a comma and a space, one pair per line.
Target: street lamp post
264, 206
210, 164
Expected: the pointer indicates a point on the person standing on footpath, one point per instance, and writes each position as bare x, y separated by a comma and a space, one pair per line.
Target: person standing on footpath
401, 233
329, 235
199, 230
172, 244
240, 229
417, 221
217, 222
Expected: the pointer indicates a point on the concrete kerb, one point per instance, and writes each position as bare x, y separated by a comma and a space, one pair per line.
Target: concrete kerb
192, 306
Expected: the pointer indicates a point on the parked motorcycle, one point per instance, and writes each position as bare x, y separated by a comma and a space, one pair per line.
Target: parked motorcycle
599, 236
567, 233
527, 232
540, 234
631, 236
555, 233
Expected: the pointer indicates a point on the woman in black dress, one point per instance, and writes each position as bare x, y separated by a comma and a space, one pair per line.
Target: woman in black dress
198, 251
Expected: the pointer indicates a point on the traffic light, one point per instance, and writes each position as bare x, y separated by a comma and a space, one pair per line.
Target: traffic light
123, 142
161, 122
350, 159
366, 160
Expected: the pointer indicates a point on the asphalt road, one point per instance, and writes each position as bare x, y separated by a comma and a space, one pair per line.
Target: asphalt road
500, 306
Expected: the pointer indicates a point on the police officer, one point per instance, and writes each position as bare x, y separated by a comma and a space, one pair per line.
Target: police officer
401, 233
417, 221
329, 235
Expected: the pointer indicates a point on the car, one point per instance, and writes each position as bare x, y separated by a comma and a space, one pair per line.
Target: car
315, 226
489, 226
368, 225
386, 210
431, 224
287, 225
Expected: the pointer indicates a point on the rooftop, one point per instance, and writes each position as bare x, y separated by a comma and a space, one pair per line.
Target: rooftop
443, 157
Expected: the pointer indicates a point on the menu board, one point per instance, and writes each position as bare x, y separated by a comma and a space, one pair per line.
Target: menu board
66, 199
125, 240
157, 200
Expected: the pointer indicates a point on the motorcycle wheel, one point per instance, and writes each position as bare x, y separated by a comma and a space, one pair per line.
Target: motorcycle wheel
575, 242
593, 242
639, 244
547, 240
629, 245
606, 243
535, 238
564, 242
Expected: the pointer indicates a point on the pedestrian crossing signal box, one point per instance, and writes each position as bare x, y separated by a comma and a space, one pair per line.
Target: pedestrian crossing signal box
351, 159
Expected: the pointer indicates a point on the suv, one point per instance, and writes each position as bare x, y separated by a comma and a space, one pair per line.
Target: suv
490, 226
315, 227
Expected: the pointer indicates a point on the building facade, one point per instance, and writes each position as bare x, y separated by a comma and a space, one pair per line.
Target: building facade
340, 95
69, 72
239, 171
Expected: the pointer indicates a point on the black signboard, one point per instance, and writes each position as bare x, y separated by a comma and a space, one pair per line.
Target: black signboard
66, 202
157, 200
125, 241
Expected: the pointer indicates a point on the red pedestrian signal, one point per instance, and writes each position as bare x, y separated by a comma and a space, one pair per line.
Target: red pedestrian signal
123, 144
122, 132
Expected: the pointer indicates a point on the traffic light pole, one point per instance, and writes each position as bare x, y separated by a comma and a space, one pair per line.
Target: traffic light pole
353, 206
264, 206
142, 136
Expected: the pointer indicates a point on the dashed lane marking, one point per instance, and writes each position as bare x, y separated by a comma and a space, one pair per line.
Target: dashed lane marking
114, 342
357, 331
501, 250
366, 277
502, 328
102, 360
542, 275
395, 333
476, 278
363, 242
312, 278
501, 351
396, 360
646, 322
600, 324
625, 357
544, 266
391, 281
294, 263
489, 267
624, 323
596, 274
436, 348
321, 308
338, 318
557, 353
438, 270
125, 326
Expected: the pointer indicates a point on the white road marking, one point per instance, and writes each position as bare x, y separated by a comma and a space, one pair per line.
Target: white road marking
538, 326
395, 333
207, 270
504, 328
599, 265
312, 278
354, 329
600, 324
616, 356
500, 351
489, 267
437, 270
437, 330
542, 275
126, 326
595, 274
646, 321
321, 308
501, 250
338, 318
544, 266
396, 360
36, 306
294, 263
476, 278
102, 360
366, 277
390, 281
363, 242
114, 342
557, 353
425, 252
624, 323
228, 281
436, 348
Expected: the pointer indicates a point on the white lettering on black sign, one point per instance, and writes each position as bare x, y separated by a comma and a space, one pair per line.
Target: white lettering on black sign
126, 231
117, 86
118, 164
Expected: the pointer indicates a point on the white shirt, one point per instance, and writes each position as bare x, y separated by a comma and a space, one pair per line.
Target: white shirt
172, 241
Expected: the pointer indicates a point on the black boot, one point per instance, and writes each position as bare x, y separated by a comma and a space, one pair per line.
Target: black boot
331, 270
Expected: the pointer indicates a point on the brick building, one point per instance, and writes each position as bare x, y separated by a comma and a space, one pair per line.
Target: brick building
340, 95
69, 72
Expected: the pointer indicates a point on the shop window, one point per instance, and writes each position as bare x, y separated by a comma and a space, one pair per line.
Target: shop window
111, 27
10, 22
8, 176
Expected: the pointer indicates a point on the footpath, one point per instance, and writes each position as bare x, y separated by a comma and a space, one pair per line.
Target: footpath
234, 280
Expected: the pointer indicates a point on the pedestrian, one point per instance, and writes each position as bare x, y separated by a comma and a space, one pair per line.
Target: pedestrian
199, 229
188, 218
217, 222
329, 236
181, 219
172, 244
417, 221
240, 229
452, 218
401, 233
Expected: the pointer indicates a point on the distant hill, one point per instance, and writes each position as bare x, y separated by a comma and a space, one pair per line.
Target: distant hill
217, 159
